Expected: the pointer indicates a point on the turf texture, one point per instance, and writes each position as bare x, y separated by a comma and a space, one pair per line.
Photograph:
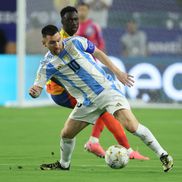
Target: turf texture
30, 137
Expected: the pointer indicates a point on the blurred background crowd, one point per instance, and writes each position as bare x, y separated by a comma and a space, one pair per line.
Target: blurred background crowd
129, 28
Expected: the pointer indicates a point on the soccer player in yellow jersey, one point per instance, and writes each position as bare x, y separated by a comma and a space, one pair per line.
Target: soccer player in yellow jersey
70, 22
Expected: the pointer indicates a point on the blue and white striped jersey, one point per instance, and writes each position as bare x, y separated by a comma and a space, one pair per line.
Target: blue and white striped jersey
76, 69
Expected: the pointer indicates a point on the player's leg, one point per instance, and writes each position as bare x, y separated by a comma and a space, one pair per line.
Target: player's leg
97, 130
93, 144
130, 122
66, 100
79, 118
70, 130
113, 126
67, 143
117, 130
109, 100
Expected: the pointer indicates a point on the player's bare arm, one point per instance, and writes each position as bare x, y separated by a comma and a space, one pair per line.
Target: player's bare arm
35, 91
124, 78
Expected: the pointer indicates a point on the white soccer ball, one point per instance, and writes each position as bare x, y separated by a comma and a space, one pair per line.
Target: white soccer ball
116, 157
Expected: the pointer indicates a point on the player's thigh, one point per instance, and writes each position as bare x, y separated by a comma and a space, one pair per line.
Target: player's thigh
72, 128
127, 118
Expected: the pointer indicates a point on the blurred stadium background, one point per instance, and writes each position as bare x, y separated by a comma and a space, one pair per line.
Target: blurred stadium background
158, 75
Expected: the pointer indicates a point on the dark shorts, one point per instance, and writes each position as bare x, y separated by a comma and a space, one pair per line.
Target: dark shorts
64, 99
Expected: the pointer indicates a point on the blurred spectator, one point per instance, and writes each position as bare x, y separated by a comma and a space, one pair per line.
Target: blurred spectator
99, 11
34, 38
134, 41
89, 29
180, 44
3, 42
60, 4
11, 48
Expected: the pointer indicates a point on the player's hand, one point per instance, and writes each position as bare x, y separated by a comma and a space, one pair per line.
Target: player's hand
126, 79
35, 91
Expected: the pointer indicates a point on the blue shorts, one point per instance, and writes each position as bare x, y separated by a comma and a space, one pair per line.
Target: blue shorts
64, 99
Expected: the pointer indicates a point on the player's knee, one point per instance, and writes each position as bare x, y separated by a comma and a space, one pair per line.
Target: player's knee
66, 134
131, 128
127, 120
131, 125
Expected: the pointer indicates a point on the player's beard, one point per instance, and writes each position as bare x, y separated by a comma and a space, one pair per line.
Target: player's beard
57, 51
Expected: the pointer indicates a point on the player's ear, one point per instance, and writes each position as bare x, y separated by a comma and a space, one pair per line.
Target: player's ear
43, 42
63, 21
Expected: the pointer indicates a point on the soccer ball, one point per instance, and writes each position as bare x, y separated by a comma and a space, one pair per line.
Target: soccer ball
116, 157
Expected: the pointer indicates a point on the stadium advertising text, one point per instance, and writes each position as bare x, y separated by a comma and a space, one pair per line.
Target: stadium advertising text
150, 77
161, 75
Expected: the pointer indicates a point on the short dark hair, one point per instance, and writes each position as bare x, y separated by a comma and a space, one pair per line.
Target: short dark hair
67, 9
49, 30
83, 4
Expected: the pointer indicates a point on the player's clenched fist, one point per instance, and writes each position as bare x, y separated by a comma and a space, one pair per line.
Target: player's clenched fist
35, 91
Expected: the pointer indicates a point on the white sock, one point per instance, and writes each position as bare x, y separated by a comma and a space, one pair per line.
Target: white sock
148, 138
130, 150
66, 149
93, 139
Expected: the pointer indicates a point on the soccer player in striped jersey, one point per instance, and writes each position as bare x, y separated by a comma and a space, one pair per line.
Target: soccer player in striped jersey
70, 61
70, 22
69, 18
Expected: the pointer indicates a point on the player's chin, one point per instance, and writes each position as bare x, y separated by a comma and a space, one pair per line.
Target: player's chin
57, 51
75, 28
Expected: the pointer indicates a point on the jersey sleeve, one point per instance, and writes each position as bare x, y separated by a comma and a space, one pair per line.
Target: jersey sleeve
90, 47
85, 45
45, 71
41, 77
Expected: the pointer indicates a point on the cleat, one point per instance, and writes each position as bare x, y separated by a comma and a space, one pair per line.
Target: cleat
138, 156
167, 162
95, 148
53, 166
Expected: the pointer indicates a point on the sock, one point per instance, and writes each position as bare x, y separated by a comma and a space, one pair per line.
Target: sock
97, 128
148, 138
93, 139
66, 149
130, 150
114, 126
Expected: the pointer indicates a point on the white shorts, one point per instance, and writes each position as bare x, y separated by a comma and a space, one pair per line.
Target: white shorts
108, 100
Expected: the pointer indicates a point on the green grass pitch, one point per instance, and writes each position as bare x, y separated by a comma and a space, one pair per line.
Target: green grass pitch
30, 136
